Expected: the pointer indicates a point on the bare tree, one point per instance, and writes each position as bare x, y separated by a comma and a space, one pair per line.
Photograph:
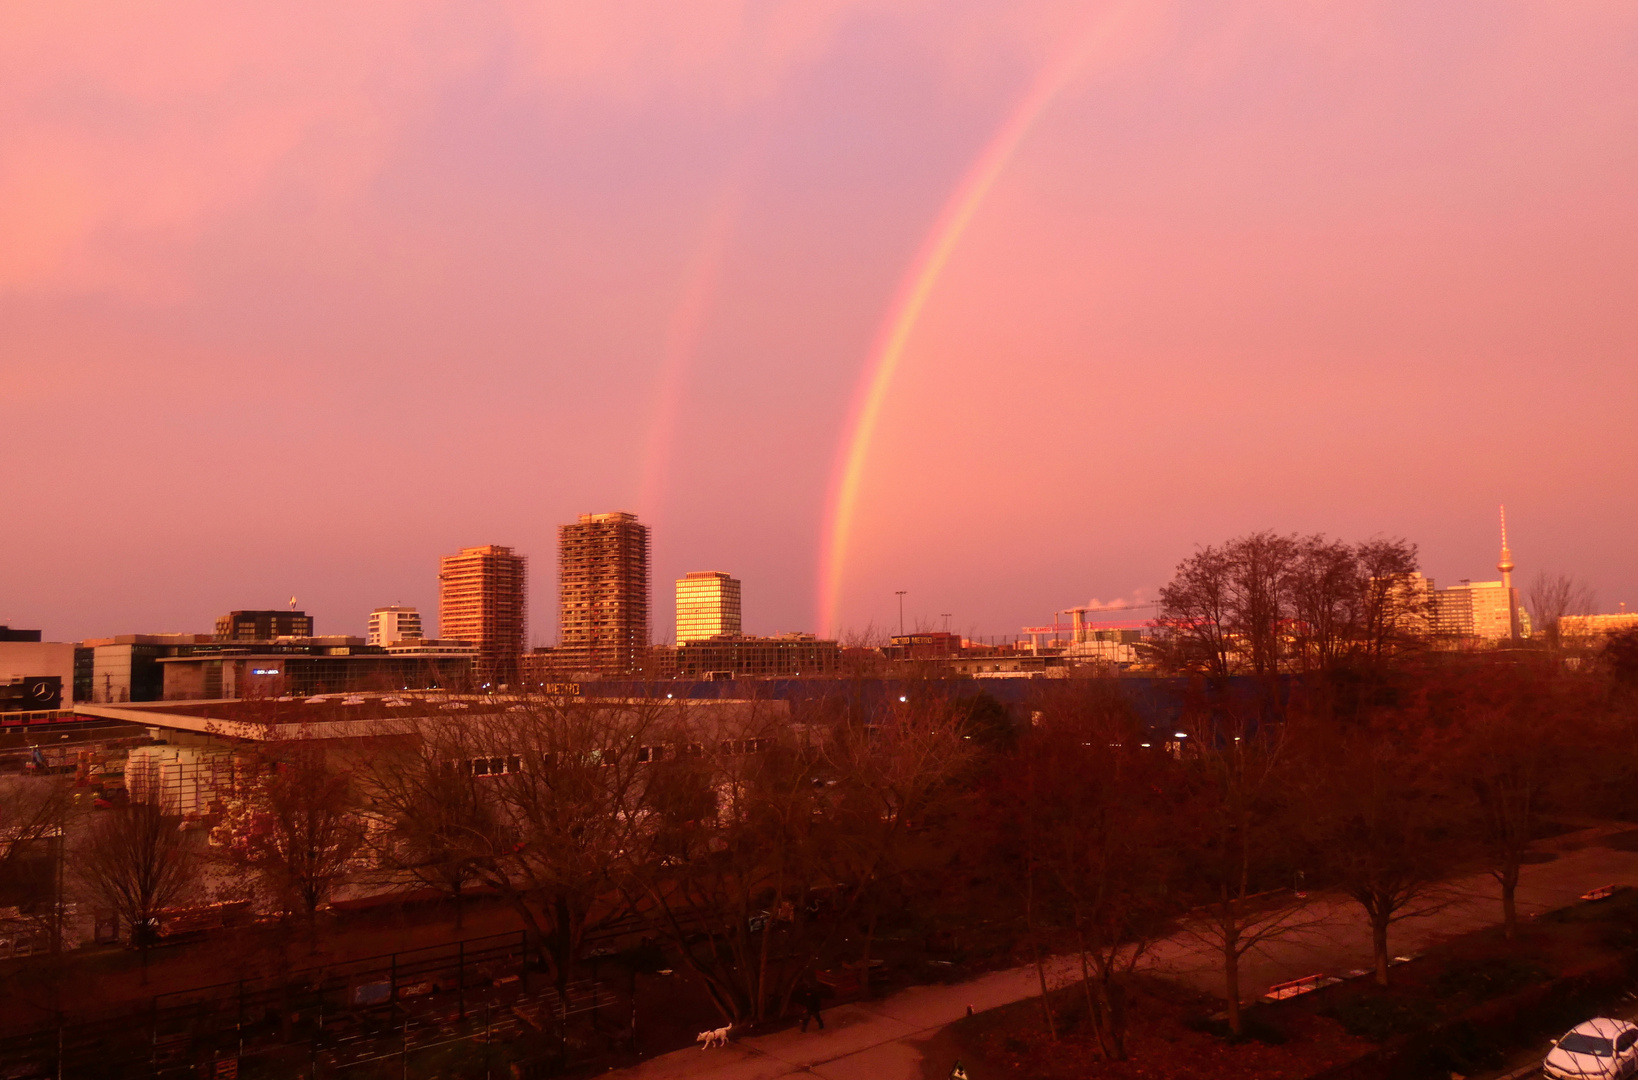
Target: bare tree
1512, 728
732, 892
136, 861
1195, 610
32, 810
1552, 596
1394, 614
1382, 822
1263, 602
1228, 608
1240, 852
437, 820
1325, 593
1092, 809
547, 803
299, 829
893, 790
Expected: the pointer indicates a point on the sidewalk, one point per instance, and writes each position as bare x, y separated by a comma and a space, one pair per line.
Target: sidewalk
882, 1040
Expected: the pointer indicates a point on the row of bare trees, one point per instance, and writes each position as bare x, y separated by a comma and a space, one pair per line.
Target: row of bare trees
1265, 602
743, 843
1120, 836
740, 840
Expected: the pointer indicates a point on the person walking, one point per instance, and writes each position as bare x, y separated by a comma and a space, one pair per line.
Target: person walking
811, 1001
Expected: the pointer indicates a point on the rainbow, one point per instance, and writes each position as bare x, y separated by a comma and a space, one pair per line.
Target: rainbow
870, 393
683, 331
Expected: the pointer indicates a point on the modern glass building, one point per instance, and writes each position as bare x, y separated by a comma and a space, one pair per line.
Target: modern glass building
707, 606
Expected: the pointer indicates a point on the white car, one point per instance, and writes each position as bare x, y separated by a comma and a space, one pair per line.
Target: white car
1601, 1049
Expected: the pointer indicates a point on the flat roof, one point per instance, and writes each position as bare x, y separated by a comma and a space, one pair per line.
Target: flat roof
341, 716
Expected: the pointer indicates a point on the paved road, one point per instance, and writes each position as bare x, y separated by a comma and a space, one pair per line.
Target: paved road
883, 1040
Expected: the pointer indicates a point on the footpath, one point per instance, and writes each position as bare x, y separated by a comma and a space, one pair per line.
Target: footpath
885, 1039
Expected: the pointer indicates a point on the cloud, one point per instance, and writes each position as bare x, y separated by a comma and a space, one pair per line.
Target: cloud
131, 128
1137, 598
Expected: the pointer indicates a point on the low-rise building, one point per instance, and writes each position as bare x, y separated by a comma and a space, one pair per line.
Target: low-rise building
127, 667
922, 646
1595, 626
307, 666
391, 625
786, 655
263, 625
35, 675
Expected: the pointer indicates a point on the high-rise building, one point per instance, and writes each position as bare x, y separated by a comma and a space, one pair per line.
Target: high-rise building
482, 600
707, 606
603, 594
1511, 598
263, 625
1476, 609
390, 625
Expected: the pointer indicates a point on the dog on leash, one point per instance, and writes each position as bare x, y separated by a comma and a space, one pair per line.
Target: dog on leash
714, 1037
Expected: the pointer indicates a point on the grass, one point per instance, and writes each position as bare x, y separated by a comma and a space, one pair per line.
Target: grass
1172, 1035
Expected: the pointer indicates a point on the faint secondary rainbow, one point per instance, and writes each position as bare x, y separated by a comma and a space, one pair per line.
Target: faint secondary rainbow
914, 291
683, 331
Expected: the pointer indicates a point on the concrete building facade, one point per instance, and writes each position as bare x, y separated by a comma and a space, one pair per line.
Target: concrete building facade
36, 675
1593, 626
1484, 610
603, 595
303, 667
263, 625
127, 667
483, 601
391, 625
783, 656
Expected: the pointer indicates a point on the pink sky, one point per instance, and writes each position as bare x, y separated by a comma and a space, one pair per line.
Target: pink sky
294, 298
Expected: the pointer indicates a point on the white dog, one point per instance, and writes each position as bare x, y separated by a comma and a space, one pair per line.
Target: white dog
714, 1037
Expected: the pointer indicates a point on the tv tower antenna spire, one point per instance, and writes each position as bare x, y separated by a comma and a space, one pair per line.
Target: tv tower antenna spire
1505, 565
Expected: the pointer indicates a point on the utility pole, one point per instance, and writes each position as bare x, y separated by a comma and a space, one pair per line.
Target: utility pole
901, 593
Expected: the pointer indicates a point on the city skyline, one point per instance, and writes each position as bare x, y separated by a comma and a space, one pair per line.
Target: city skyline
1009, 309
655, 614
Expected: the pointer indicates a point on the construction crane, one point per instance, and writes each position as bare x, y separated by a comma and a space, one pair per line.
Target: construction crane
1078, 627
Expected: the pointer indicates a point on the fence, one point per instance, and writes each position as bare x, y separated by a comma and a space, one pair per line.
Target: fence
471, 1005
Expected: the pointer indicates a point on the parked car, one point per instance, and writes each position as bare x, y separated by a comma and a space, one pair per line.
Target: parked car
1602, 1049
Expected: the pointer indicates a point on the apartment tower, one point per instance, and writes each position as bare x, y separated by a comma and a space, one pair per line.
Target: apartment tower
390, 625
707, 606
602, 564
482, 593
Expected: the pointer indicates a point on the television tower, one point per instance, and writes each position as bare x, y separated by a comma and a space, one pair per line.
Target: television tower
1505, 565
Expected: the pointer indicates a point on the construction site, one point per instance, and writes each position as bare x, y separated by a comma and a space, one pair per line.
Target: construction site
483, 601
604, 596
